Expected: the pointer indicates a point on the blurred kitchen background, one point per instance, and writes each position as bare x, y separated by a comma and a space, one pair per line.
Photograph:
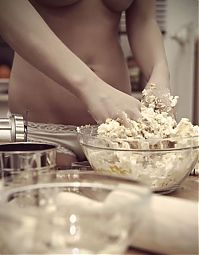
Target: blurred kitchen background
178, 21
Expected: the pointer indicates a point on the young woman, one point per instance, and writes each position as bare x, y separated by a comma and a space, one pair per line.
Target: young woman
69, 67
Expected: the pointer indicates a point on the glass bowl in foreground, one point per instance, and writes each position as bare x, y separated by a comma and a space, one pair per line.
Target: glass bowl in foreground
76, 213
162, 164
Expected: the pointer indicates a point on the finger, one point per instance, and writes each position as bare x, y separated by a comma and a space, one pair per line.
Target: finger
135, 114
123, 119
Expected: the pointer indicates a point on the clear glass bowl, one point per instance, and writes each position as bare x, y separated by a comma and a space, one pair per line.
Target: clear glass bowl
160, 164
75, 213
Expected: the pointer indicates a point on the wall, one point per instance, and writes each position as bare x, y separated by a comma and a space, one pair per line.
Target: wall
182, 23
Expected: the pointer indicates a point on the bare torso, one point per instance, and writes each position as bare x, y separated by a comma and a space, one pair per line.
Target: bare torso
90, 29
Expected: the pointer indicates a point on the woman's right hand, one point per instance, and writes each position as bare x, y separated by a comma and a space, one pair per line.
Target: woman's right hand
103, 101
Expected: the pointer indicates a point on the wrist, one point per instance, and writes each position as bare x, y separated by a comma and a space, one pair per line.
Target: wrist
160, 76
82, 84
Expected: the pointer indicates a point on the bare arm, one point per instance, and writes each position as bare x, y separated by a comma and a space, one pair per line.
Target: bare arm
147, 43
28, 34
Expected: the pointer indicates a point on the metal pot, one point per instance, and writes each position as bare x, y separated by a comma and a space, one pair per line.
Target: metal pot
27, 156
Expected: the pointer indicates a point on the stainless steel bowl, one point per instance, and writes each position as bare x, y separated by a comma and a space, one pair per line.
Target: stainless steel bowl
18, 159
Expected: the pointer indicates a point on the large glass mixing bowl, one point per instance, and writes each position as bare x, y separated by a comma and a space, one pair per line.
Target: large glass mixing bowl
162, 164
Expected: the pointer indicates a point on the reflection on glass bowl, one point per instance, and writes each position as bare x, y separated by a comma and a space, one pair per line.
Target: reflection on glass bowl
76, 213
160, 164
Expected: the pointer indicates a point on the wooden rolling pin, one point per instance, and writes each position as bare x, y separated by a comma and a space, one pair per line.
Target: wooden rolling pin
170, 227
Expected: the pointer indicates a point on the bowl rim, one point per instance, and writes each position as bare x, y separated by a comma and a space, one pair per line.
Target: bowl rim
140, 150
171, 139
26, 147
97, 181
